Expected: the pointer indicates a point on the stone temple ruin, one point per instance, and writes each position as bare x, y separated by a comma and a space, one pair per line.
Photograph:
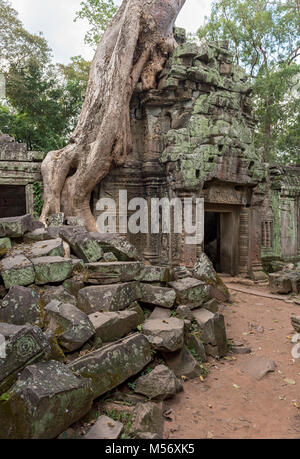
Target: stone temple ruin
82, 314
193, 138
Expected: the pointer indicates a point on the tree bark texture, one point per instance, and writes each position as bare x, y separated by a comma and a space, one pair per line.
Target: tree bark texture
134, 48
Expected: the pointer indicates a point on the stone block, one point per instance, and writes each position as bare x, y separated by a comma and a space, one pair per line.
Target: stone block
44, 402
212, 332
71, 326
16, 227
105, 428
183, 363
156, 274
111, 326
115, 272
23, 345
279, 283
114, 363
159, 296
147, 417
20, 307
160, 384
17, 270
165, 335
115, 297
52, 269
191, 292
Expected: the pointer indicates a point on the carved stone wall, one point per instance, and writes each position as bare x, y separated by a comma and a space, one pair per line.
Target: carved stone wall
19, 169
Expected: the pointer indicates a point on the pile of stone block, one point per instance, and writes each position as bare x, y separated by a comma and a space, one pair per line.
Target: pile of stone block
80, 314
286, 281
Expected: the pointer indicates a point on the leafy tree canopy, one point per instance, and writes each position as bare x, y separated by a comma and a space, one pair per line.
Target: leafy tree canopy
98, 13
264, 37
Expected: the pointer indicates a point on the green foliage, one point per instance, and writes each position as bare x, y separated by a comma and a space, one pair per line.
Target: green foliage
43, 100
131, 385
264, 37
38, 198
98, 13
4, 397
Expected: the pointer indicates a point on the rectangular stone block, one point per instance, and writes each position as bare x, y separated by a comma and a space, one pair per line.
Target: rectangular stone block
111, 326
15, 226
115, 272
44, 402
51, 248
279, 283
115, 297
17, 270
114, 363
52, 269
212, 332
19, 346
159, 296
191, 292
156, 274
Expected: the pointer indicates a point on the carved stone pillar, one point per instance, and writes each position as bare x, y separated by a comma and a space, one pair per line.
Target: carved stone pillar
256, 269
244, 241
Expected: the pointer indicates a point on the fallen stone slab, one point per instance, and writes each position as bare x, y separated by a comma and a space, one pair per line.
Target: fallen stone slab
17, 270
52, 269
183, 363
51, 248
105, 428
191, 292
160, 384
44, 402
147, 417
258, 367
16, 227
160, 313
295, 281
165, 335
159, 296
118, 245
20, 307
279, 283
20, 346
213, 332
58, 293
40, 234
71, 326
83, 245
114, 363
156, 274
115, 297
111, 326
115, 272
196, 346
147, 436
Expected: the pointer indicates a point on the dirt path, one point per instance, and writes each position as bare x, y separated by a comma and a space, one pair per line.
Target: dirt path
230, 404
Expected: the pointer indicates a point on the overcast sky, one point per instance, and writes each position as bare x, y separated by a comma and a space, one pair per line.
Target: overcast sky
55, 19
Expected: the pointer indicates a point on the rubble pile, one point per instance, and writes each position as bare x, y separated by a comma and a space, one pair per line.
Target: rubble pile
80, 314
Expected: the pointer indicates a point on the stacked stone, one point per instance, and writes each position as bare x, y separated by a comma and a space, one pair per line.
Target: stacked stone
207, 98
72, 325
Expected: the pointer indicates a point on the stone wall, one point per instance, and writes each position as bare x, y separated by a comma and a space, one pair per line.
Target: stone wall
19, 169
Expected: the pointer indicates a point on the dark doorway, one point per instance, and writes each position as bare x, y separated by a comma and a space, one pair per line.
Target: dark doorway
212, 238
12, 201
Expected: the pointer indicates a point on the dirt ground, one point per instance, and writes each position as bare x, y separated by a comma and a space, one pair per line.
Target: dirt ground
229, 404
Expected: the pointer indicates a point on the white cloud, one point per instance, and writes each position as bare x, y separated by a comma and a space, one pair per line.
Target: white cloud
55, 18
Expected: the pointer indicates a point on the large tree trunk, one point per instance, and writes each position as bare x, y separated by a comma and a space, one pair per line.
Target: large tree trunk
134, 47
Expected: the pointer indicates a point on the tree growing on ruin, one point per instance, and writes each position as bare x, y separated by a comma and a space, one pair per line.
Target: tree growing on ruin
133, 48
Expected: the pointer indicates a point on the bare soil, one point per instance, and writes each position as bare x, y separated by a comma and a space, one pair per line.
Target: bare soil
229, 403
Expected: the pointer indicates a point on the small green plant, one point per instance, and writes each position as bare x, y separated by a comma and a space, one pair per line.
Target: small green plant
139, 327
173, 314
131, 386
37, 198
4, 397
